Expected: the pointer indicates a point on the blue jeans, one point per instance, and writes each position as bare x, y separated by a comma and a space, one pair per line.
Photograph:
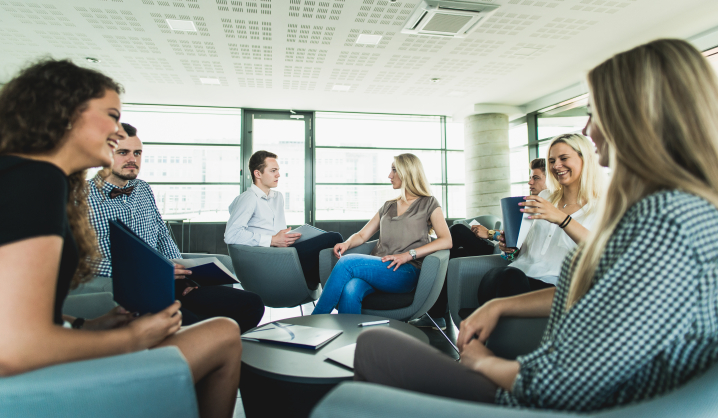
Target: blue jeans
357, 275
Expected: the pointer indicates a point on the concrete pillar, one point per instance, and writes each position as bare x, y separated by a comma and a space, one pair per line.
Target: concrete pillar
486, 151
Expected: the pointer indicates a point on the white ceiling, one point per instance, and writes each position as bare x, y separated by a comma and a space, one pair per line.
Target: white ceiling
289, 53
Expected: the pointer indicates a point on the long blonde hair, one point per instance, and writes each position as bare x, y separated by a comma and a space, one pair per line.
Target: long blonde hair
411, 172
657, 106
591, 180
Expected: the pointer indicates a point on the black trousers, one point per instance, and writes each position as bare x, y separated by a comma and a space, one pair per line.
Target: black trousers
308, 252
246, 308
506, 281
465, 244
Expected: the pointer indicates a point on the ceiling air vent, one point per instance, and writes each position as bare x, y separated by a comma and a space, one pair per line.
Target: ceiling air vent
447, 18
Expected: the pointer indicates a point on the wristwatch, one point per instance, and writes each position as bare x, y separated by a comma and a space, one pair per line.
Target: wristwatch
412, 253
491, 233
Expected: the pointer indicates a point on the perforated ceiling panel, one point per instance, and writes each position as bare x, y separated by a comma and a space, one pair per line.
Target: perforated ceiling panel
563, 28
34, 13
602, 6
330, 54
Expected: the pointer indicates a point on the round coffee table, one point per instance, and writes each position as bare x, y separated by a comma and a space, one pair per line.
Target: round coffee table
279, 380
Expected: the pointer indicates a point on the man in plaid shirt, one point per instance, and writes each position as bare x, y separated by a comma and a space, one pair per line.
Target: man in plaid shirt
121, 196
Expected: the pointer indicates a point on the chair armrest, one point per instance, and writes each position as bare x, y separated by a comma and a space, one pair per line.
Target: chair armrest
464, 277
223, 258
431, 281
151, 383
327, 260
515, 337
366, 400
89, 305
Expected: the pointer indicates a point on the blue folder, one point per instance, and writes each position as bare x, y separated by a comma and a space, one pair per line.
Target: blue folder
512, 215
142, 278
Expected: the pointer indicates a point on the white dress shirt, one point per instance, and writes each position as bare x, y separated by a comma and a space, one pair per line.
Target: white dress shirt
546, 246
255, 217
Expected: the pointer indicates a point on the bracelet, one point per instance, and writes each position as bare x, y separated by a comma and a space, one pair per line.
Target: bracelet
565, 222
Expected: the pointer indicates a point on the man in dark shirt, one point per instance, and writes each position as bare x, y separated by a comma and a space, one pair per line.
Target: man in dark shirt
122, 196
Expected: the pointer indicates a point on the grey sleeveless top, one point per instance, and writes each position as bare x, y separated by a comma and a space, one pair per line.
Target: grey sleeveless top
399, 234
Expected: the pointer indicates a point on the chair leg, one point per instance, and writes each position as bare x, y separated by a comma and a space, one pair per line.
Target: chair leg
301, 310
444, 334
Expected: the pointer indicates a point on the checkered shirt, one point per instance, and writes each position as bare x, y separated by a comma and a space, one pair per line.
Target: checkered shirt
648, 324
138, 211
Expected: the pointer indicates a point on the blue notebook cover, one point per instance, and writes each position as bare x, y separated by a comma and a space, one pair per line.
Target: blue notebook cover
142, 278
512, 215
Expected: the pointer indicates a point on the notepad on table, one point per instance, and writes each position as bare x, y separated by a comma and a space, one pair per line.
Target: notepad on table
293, 335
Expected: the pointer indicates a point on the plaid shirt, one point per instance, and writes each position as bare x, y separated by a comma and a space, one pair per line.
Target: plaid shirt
138, 211
648, 324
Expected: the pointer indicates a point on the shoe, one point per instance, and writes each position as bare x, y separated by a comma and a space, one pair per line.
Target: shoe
425, 322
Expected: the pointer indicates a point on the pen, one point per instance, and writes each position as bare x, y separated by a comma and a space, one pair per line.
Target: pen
368, 324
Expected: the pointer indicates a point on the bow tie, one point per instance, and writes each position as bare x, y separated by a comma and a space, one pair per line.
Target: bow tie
117, 192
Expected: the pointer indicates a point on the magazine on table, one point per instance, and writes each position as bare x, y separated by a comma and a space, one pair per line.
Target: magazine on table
293, 335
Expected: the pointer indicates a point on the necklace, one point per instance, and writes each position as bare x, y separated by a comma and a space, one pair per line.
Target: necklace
569, 204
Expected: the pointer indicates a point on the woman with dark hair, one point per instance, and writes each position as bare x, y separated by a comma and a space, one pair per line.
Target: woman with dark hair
633, 315
57, 120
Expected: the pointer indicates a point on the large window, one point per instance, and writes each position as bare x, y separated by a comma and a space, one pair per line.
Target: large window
353, 159
191, 158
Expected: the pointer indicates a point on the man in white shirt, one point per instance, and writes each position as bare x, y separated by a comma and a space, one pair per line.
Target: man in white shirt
257, 219
537, 181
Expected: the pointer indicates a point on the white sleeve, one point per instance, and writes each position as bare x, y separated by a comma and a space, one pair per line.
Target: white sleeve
241, 211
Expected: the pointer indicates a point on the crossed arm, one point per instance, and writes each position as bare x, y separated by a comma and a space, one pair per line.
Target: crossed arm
443, 241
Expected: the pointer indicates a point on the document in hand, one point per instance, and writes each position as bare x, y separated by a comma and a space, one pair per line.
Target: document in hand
516, 224
142, 278
468, 224
343, 356
207, 271
294, 335
307, 231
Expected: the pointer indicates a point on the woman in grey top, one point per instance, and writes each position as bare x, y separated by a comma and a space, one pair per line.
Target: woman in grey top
404, 225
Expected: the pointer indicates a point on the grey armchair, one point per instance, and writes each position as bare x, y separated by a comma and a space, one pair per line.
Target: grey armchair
89, 305
273, 273
463, 282
399, 306
147, 384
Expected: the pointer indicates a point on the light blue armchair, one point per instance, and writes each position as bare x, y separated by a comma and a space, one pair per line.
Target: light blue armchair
698, 398
151, 383
512, 337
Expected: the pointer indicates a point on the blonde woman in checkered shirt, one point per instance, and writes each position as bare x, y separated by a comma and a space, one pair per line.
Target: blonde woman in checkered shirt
634, 313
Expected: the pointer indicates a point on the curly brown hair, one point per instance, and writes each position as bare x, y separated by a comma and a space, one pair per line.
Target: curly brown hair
36, 108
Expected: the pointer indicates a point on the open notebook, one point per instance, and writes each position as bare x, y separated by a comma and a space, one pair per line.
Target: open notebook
207, 271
